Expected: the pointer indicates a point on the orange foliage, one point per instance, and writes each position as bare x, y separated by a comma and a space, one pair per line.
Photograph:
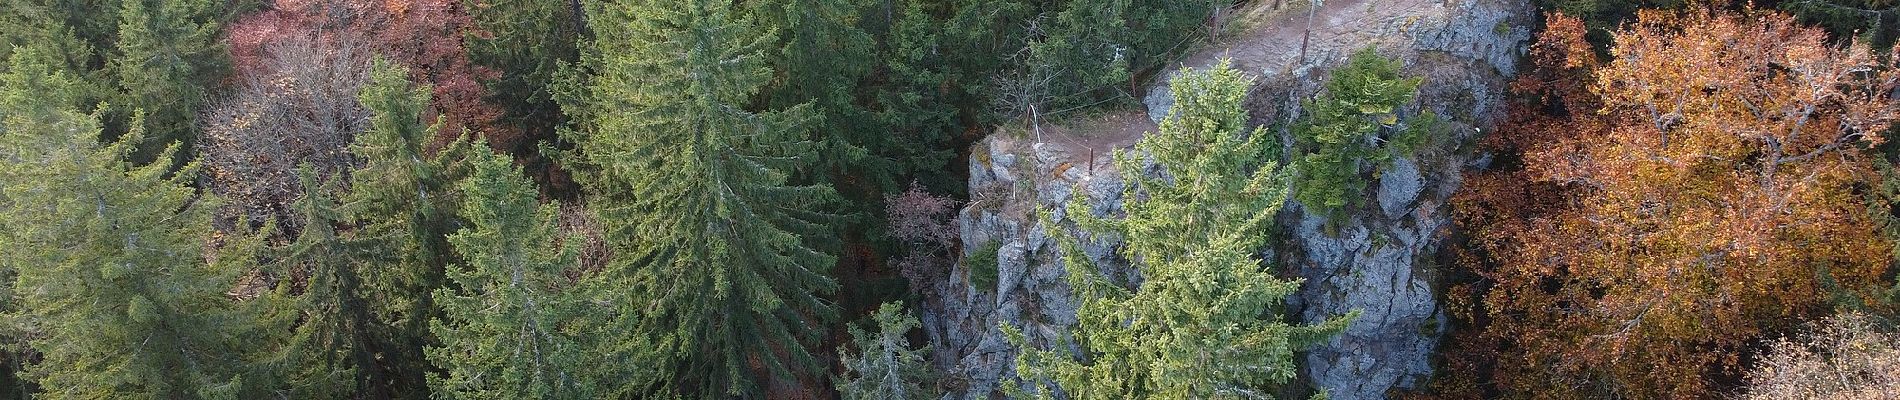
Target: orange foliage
1672, 206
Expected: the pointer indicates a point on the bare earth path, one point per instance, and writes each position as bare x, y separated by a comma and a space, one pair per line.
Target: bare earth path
1270, 48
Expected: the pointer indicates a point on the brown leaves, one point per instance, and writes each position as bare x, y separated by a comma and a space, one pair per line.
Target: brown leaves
1673, 203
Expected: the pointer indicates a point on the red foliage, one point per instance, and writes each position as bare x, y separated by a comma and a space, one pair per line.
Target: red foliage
424, 35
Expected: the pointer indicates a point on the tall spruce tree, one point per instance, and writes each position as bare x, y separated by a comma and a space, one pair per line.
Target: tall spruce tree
913, 106
719, 262
1205, 319
331, 353
373, 273
400, 207
119, 294
507, 328
821, 59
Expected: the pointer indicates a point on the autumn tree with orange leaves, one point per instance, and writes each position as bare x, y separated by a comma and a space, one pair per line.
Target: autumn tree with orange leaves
1671, 206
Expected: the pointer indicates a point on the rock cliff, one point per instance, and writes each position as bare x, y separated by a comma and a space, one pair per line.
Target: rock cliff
1376, 259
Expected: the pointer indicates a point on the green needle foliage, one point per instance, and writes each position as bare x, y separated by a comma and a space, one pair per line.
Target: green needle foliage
884, 366
717, 258
1355, 122
505, 326
331, 353
401, 205
526, 41
376, 253
166, 58
1205, 321
126, 302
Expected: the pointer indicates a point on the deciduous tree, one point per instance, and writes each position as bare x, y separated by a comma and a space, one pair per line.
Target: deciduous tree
1685, 200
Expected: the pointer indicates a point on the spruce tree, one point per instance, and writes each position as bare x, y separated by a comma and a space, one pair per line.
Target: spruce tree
330, 354
914, 112
371, 275
1354, 125
506, 330
400, 206
884, 367
166, 56
821, 59
718, 261
1205, 319
117, 289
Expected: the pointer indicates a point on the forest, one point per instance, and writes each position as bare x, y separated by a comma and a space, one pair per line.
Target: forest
949, 199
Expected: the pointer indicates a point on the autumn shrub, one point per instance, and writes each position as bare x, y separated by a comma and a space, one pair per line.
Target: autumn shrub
425, 36
1654, 215
924, 224
300, 111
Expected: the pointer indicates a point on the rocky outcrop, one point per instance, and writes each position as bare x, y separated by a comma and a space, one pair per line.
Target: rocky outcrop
1374, 259
1377, 258
1013, 179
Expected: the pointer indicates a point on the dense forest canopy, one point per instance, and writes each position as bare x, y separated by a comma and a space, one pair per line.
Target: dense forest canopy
500, 199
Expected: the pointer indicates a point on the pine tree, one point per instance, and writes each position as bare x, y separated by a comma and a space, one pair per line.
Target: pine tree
165, 58
118, 292
718, 261
505, 330
885, 366
1205, 320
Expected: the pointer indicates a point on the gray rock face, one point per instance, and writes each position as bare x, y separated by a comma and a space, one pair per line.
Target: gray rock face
1011, 180
1374, 259
1377, 259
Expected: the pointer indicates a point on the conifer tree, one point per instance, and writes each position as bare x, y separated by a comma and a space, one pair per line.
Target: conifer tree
820, 60
1205, 320
400, 206
912, 108
1354, 125
505, 329
372, 275
718, 260
165, 58
884, 366
119, 294
331, 355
